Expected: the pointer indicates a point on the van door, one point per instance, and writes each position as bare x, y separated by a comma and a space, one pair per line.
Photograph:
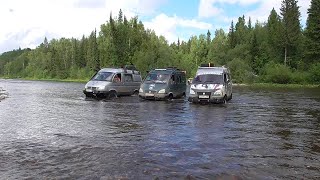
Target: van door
229, 85
129, 85
173, 84
117, 84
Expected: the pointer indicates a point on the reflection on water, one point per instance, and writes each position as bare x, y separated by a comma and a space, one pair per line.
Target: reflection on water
49, 130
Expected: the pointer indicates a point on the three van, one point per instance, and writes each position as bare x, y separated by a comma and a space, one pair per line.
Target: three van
161, 84
113, 82
211, 84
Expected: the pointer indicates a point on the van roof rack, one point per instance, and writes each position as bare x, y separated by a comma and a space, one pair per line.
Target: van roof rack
175, 68
130, 67
207, 65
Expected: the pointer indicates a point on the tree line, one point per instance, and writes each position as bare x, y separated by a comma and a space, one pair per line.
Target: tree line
276, 51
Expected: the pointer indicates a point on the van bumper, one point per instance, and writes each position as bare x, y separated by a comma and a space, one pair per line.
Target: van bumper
154, 96
196, 99
95, 94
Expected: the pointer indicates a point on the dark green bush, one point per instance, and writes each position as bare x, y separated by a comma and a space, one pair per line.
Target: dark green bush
314, 76
277, 73
240, 71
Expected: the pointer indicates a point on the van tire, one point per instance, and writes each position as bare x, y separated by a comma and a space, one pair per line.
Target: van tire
225, 99
135, 93
230, 97
170, 97
112, 95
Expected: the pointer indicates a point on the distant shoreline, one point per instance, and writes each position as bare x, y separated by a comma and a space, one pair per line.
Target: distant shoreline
234, 84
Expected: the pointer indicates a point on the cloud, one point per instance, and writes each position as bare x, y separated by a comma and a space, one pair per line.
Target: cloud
260, 12
167, 26
26, 23
23, 20
206, 9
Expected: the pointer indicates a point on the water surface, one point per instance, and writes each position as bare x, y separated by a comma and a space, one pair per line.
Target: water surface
48, 130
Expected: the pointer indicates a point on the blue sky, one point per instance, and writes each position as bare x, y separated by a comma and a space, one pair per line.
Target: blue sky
26, 23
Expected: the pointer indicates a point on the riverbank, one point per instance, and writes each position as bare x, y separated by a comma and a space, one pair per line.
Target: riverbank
257, 85
54, 80
270, 85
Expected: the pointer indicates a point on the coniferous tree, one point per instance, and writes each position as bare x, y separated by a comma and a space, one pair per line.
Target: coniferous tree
275, 32
208, 37
292, 29
232, 40
313, 32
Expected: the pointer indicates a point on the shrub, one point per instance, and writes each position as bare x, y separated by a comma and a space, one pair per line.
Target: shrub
276, 73
240, 71
314, 74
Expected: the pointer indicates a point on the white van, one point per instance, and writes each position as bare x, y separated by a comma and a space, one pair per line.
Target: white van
211, 84
113, 82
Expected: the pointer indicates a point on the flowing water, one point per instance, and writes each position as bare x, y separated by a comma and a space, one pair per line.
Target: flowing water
48, 130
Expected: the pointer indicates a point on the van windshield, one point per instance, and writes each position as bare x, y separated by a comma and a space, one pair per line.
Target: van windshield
208, 78
102, 76
158, 78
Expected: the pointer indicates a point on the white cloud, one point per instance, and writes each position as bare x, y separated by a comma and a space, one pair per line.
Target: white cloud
207, 9
211, 8
167, 26
24, 23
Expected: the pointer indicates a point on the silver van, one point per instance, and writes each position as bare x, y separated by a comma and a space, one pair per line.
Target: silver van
211, 84
162, 84
113, 82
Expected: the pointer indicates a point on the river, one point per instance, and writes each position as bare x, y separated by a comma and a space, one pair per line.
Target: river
48, 130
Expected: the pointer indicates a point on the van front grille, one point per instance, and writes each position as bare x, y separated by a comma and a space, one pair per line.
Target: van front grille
151, 92
204, 93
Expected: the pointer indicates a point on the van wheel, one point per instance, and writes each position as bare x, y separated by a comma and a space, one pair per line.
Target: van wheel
135, 93
112, 95
224, 101
170, 97
230, 97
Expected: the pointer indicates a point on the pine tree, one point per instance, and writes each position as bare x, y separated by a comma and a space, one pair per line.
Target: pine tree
292, 28
208, 37
232, 36
313, 32
275, 30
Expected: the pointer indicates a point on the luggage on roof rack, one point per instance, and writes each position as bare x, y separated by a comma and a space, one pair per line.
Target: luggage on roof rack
207, 65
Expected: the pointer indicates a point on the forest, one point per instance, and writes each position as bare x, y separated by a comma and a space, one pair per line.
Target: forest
278, 51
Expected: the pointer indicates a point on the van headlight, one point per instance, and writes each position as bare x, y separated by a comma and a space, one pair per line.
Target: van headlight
162, 91
192, 92
140, 90
218, 93
99, 88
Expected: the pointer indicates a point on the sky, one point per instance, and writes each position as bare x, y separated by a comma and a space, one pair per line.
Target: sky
25, 23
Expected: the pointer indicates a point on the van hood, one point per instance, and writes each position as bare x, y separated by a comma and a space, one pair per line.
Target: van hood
97, 84
206, 86
153, 86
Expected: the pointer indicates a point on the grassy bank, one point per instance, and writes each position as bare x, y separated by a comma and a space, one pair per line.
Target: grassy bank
272, 85
53, 79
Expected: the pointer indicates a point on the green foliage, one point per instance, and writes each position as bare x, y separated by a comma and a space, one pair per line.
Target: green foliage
291, 34
240, 71
277, 73
253, 52
312, 32
314, 76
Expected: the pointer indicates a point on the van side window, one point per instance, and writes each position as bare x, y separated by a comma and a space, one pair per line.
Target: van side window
183, 78
137, 78
225, 77
117, 78
179, 78
172, 78
128, 78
